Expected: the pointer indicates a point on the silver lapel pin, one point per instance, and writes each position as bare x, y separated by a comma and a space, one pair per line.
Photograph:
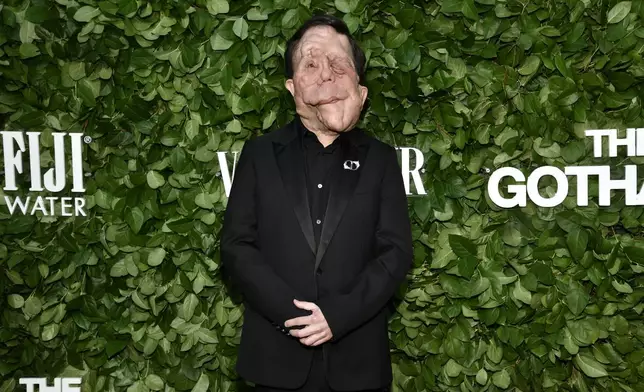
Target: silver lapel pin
351, 165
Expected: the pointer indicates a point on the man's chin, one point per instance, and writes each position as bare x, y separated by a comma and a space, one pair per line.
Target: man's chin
335, 124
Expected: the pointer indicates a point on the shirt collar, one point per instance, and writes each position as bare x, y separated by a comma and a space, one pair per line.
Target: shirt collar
305, 134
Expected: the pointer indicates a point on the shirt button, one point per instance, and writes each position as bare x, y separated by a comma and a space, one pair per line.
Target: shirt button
319, 185
318, 221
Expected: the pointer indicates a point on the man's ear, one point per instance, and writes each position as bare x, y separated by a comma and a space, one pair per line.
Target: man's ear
363, 92
290, 86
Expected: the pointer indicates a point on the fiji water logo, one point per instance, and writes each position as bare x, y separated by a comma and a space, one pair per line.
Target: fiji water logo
54, 180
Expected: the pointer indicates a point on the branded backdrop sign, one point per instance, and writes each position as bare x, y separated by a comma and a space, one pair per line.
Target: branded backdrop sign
409, 156
16, 146
634, 143
110, 265
19, 147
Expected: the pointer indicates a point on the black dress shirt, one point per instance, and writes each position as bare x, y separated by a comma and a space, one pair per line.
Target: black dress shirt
319, 161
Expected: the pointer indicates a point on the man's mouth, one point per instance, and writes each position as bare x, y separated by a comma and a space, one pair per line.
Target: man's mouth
328, 101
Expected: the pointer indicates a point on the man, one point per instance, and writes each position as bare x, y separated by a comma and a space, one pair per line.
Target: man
316, 232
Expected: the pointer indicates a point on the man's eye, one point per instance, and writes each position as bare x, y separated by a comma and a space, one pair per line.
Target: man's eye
310, 65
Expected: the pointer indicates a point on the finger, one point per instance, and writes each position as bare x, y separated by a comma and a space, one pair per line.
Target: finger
312, 339
308, 331
324, 339
305, 305
304, 320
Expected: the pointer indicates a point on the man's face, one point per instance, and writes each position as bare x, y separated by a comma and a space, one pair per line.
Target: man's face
325, 84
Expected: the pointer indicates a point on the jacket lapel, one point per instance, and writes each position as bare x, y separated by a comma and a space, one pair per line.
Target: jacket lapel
291, 165
343, 184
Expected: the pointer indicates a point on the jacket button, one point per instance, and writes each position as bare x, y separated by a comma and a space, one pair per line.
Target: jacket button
319, 271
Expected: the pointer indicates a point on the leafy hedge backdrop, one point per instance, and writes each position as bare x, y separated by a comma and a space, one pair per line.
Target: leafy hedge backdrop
132, 297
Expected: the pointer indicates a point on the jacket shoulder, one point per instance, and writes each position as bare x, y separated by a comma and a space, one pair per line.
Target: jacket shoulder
279, 135
377, 144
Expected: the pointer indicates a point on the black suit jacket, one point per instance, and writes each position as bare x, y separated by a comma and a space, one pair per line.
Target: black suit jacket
365, 252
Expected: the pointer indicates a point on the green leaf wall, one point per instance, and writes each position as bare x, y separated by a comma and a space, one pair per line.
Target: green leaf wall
131, 297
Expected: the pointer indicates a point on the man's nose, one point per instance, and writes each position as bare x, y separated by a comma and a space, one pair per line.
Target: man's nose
326, 74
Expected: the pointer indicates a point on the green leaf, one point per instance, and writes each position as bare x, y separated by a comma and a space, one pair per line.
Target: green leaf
216, 7
156, 256
203, 201
220, 313
449, 6
269, 119
511, 235
622, 287
584, 332
395, 38
530, 65
408, 55
589, 365
32, 307
118, 269
573, 152
577, 298
189, 305
86, 13
202, 384
49, 332
618, 12
452, 368
137, 386
577, 241
501, 379
134, 218
14, 277
469, 10
240, 28
442, 258
290, 19
192, 128
155, 179
521, 293
113, 347
38, 14
462, 246
481, 376
550, 31
635, 253
154, 382
15, 301
130, 265
28, 50
346, 6
86, 90
217, 42
234, 126
494, 352
256, 14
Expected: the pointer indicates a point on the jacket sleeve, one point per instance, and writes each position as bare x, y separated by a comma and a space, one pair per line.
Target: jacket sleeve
378, 282
264, 290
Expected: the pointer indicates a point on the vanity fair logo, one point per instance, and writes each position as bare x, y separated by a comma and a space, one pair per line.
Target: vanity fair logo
409, 174
54, 180
634, 143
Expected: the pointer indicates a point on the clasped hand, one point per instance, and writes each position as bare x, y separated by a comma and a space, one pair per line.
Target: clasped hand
316, 330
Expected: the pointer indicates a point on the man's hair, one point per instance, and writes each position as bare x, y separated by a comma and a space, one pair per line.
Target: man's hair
340, 27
